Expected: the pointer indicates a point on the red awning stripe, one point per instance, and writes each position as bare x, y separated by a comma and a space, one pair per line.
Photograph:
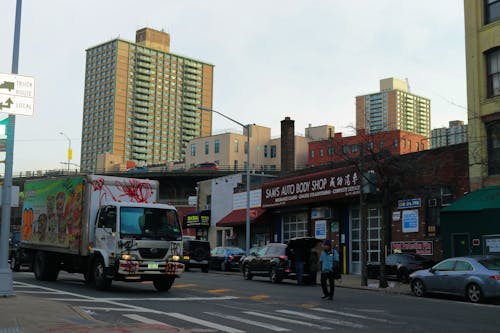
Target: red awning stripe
238, 217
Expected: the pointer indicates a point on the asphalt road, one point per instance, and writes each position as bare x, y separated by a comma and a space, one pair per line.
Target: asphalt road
217, 302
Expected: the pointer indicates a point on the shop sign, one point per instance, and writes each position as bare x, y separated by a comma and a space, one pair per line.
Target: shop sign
396, 216
319, 186
409, 203
320, 229
410, 220
195, 220
419, 247
492, 245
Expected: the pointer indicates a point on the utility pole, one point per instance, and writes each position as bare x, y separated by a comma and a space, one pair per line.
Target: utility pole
5, 272
363, 219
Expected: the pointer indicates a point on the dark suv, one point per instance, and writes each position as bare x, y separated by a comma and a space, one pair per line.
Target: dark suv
277, 261
196, 253
399, 266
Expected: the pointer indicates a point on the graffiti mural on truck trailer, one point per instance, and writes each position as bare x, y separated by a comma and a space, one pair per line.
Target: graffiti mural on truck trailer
52, 212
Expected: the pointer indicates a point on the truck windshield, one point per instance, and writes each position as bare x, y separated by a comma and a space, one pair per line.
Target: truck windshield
149, 223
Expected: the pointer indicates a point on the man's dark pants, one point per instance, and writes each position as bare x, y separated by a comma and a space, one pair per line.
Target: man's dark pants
327, 277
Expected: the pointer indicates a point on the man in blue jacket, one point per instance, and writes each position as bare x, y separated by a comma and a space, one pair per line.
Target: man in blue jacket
329, 260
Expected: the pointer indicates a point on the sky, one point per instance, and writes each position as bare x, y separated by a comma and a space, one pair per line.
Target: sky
303, 59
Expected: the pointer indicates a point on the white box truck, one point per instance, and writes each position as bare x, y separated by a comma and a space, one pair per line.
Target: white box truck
107, 228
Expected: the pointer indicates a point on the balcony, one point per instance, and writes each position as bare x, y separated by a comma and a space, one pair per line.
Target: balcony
143, 71
144, 84
139, 136
145, 64
137, 129
143, 104
141, 144
142, 116
190, 126
141, 77
190, 101
141, 96
189, 107
141, 123
138, 156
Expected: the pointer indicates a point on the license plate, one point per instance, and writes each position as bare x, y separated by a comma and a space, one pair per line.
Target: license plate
152, 266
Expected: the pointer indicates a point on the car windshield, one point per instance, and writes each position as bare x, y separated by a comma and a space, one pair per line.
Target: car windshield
149, 223
235, 250
491, 263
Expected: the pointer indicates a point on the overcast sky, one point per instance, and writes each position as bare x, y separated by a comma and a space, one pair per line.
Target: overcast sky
304, 59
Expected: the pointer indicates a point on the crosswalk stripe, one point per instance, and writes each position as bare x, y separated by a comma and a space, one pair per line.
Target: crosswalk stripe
145, 320
352, 315
249, 322
327, 320
286, 320
203, 322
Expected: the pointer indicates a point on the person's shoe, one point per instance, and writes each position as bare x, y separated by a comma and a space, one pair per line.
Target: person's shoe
324, 296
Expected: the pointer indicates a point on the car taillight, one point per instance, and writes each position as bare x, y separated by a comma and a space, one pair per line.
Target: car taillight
283, 257
495, 277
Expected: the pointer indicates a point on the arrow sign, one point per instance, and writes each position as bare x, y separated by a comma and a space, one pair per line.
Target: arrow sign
8, 104
17, 94
7, 85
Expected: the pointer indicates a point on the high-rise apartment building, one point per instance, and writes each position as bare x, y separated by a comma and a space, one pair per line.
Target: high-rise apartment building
141, 102
393, 108
482, 57
445, 136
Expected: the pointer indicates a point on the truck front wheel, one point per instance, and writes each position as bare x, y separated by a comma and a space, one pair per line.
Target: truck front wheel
163, 283
101, 282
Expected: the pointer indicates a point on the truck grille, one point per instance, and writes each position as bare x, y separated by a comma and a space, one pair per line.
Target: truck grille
153, 253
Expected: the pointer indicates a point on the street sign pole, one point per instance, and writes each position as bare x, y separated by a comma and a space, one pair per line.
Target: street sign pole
5, 272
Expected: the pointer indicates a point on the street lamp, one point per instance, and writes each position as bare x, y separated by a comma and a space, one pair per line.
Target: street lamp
70, 152
247, 127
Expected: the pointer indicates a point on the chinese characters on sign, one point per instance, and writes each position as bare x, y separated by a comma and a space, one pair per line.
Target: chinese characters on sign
322, 185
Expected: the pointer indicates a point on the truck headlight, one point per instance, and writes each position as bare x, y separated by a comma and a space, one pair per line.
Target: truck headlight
176, 258
126, 256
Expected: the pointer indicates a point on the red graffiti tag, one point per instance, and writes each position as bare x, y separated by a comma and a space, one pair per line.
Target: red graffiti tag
135, 190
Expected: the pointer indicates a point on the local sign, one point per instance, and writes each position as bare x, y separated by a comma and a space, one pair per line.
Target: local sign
17, 94
318, 186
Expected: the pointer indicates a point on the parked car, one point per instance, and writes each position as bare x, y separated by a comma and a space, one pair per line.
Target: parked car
196, 254
473, 277
14, 240
253, 251
399, 266
226, 258
276, 260
205, 166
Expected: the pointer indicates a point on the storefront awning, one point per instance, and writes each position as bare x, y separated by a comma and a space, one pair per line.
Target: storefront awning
238, 217
485, 198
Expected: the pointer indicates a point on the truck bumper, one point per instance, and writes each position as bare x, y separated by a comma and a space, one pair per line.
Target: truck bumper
145, 270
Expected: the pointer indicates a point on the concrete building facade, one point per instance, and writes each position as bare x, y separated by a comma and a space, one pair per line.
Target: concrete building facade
482, 55
141, 102
393, 108
454, 134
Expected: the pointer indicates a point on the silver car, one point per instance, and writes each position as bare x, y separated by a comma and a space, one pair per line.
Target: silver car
475, 277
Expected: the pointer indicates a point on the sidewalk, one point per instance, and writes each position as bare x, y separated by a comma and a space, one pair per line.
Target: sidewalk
28, 314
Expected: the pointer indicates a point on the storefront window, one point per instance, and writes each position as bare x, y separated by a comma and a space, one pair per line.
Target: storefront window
295, 225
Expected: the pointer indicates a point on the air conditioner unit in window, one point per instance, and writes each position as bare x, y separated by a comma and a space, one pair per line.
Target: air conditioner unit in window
432, 202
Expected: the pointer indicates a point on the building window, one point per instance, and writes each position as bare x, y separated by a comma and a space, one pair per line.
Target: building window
193, 149
381, 145
493, 132
207, 147
312, 153
265, 151
491, 11
321, 152
330, 151
246, 147
354, 148
273, 151
395, 143
216, 146
235, 165
493, 74
345, 149
295, 225
370, 146
236, 145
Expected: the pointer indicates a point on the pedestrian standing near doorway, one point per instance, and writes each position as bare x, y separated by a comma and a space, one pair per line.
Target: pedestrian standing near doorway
329, 261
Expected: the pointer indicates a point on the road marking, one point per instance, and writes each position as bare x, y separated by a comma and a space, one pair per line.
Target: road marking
203, 322
39, 292
286, 320
259, 297
218, 291
185, 285
327, 320
352, 315
145, 320
162, 299
249, 322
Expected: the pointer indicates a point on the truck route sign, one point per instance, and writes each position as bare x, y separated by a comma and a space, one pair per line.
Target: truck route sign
17, 94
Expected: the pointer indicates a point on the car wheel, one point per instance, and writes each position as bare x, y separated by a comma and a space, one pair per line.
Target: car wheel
418, 288
404, 275
247, 275
473, 293
274, 276
14, 264
101, 282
